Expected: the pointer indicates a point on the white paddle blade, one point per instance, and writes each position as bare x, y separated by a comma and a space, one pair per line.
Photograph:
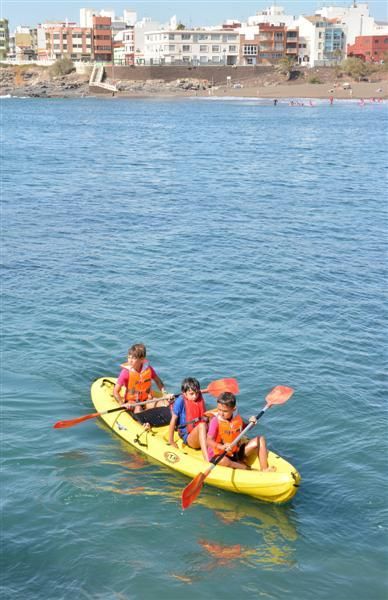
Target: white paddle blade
279, 394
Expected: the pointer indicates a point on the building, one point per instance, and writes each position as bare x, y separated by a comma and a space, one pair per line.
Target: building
266, 43
25, 44
124, 47
273, 15
370, 48
192, 46
322, 42
4, 38
141, 29
58, 40
102, 39
355, 20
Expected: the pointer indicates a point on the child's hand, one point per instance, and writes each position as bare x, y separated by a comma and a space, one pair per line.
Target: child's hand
173, 444
253, 420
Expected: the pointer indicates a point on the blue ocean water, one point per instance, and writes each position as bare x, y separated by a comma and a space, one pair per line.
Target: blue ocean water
235, 239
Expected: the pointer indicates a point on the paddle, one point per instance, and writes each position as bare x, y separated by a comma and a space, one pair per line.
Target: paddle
278, 395
215, 388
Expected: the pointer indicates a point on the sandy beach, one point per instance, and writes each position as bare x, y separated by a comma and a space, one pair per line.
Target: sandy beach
35, 82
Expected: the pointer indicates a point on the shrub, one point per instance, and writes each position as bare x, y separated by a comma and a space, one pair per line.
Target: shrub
314, 79
355, 67
62, 66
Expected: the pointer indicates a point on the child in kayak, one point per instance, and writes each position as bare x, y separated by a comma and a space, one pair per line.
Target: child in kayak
224, 428
188, 415
136, 377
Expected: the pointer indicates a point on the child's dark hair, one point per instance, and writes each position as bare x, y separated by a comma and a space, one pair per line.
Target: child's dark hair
190, 383
137, 351
227, 399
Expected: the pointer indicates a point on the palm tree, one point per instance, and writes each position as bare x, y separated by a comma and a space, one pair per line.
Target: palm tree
286, 66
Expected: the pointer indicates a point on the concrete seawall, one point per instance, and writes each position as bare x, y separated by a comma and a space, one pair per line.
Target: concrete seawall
216, 75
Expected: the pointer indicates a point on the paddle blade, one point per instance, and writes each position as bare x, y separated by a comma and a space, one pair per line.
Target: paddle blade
279, 395
71, 422
192, 491
215, 388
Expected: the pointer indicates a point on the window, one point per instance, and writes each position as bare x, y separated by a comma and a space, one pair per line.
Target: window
203, 59
215, 48
186, 36
171, 48
202, 36
203, 48
232, 48
171, 36
186, 48
215, 59
215, 37
252, 50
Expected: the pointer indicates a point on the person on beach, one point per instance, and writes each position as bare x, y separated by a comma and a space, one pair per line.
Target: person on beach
224, 428
136, 377
188, 416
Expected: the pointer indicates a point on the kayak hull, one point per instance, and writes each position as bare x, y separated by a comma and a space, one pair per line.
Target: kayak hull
279, 486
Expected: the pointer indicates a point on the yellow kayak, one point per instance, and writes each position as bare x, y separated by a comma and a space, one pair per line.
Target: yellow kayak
278, 486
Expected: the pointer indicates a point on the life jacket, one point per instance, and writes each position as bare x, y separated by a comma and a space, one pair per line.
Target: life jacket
194, 410
228, 431
139, 383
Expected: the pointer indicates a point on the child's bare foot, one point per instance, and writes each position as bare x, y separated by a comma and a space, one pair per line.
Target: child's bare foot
269, 469
146, 426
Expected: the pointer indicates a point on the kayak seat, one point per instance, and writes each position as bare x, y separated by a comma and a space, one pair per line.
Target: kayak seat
156, 417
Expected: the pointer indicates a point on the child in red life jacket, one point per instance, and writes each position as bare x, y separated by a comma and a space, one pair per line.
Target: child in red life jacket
224, 428
136, 377
188, 416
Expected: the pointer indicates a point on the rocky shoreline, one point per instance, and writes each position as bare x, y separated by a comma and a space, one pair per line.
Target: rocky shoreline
36, 82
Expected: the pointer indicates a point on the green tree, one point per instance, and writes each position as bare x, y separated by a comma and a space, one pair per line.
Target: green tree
286, 66
180, 26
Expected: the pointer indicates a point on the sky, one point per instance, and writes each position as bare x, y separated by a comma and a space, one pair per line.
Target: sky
190, 12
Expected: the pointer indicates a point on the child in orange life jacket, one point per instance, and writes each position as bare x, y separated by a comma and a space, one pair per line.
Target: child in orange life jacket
187, 415
224, 428
136, 377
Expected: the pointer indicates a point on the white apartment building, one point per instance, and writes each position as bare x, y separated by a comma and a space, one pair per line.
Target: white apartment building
355, 20
129, 18
322, 43
274, 15
141, 29
192, 46
124, 47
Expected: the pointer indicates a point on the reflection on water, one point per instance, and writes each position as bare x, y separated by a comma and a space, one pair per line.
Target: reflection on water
273, 526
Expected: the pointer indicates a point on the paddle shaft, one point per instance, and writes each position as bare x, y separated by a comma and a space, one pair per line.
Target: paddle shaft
213, 388
133, 404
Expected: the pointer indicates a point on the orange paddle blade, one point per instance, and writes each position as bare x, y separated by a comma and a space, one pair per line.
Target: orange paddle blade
71, 422
192, 491
215, 388
279, 394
